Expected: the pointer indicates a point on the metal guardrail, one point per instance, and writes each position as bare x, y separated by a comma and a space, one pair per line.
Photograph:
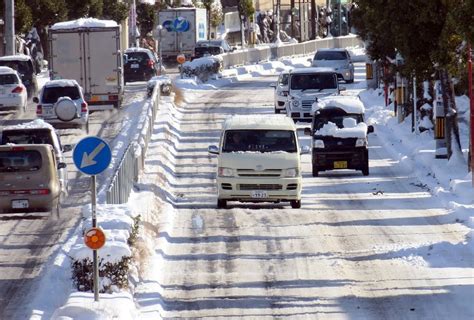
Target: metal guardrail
133, 159
255, 55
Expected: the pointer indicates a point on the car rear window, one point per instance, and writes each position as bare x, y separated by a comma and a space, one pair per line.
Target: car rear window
330, 55
207, 50
137, 57
27, 137
22, 67
259, 141
52, 94
8, 79
20, 161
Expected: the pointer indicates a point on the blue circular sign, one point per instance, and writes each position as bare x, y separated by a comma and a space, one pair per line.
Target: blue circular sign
92, 155
181, 25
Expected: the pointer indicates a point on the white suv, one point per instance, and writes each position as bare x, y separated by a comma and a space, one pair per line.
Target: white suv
62, 102
306, 86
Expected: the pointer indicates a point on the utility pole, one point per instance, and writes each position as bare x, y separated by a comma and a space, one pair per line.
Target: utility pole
10, 48
471, 103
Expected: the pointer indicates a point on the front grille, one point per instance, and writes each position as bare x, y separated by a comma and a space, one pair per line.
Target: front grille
226, 186
292, 186
333, 143
260, 186
307, 104
254, 173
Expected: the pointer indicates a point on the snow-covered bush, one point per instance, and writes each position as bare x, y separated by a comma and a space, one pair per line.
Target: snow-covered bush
203, 68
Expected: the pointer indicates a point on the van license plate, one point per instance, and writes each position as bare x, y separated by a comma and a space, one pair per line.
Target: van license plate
259, 194
340, 164
20, 204
135, 66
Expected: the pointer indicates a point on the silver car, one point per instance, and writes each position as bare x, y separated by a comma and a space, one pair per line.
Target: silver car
338, 59
61, 102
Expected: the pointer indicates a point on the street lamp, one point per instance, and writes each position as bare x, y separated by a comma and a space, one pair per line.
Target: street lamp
159, 28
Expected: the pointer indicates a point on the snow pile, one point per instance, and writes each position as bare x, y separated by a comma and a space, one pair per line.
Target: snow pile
116, 221
353, 131
37, 123
84, 23
347, 103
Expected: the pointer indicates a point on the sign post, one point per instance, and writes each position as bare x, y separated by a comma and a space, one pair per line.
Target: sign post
92, 155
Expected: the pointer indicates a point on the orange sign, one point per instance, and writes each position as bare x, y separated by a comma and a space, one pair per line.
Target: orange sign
181, 58
94, 238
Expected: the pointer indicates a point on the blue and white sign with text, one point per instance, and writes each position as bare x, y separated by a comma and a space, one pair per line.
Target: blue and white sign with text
92, 155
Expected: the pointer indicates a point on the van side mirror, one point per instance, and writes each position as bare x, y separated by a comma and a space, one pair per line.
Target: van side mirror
304, 150
67, 148
370, 129
35, 100
213, 150
273, 85
62, 165
307, 131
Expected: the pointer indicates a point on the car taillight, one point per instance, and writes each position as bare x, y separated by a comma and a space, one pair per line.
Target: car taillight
84, 107
150, 63
20, 192
17, 90
39, 109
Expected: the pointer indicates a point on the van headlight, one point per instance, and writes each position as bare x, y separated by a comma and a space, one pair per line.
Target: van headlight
361, 142
295, 103
319, 144
225, 172
291, 172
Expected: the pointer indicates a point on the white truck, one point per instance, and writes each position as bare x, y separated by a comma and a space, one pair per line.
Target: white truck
88, 50
182, 28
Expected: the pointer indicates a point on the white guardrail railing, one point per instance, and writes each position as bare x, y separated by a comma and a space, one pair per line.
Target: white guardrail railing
255, 55
131, 164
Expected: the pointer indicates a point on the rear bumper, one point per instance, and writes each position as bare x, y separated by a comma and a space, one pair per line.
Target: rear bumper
282, 189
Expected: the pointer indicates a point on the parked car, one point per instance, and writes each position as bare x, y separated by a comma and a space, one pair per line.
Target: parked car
30, 180
140, 64
211, 47
339, 135
61, 102
281, 92
12, 91
307, 85
258, 160
338, 59
38, 132
26, 69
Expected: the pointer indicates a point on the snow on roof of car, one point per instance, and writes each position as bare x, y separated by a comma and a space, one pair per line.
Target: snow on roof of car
84, 23
330, 129
312, 70
21, 57
257, 122
7, 70
349, 104
137, 49
61, 83
35, 124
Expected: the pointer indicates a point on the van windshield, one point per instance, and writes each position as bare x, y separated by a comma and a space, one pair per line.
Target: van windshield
20, 161
259, 141
318, 81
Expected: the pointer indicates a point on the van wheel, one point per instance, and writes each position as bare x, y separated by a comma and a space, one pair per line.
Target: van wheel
221, 204
315, 171
295, 204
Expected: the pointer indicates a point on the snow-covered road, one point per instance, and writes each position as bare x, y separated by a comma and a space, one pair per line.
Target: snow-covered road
376, 247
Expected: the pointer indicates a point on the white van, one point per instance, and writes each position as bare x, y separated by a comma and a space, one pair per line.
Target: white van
258, 160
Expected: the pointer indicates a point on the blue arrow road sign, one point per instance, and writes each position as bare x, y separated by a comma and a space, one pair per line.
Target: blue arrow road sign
92, 155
